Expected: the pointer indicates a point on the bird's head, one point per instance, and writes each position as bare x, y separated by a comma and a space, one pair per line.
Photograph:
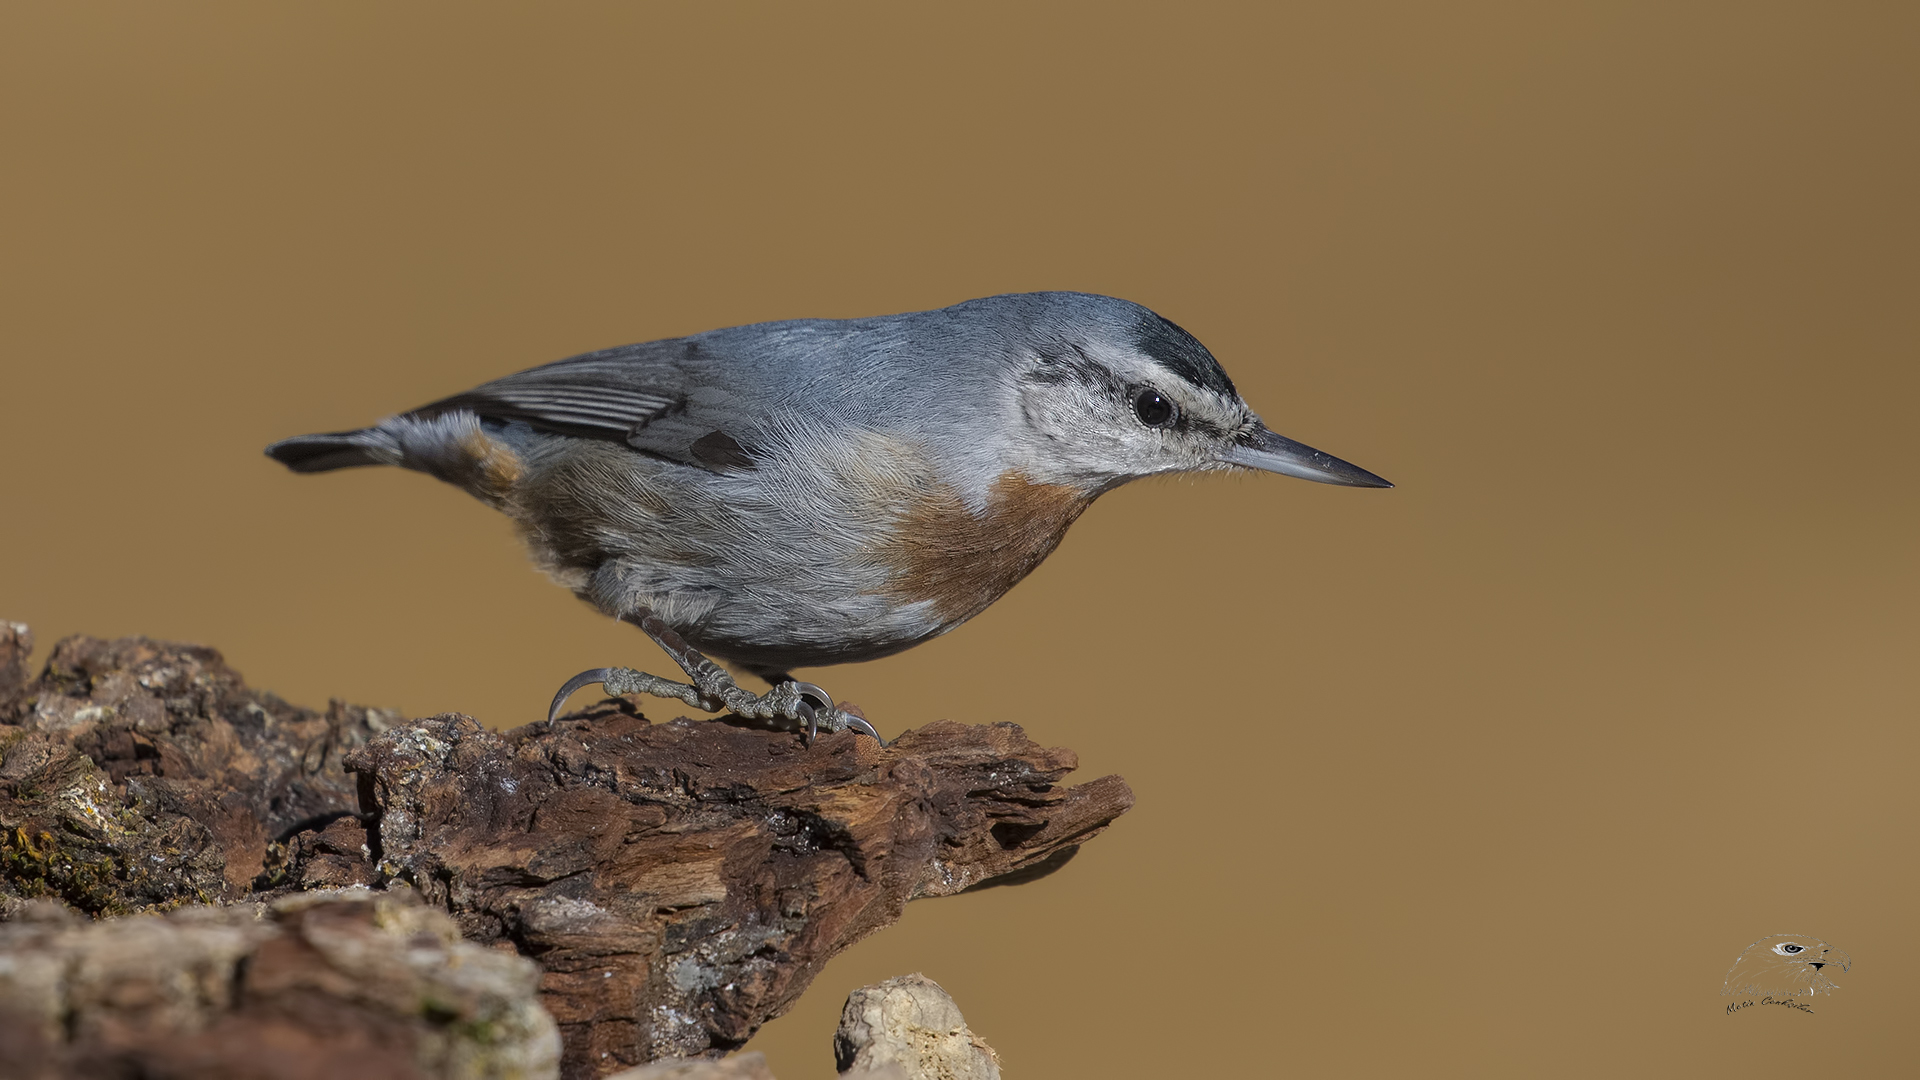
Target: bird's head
1786, 964
1108, 391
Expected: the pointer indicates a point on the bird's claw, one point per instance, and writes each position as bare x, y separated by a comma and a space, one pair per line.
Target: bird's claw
859, 724
797, 701
571, 686
835, 718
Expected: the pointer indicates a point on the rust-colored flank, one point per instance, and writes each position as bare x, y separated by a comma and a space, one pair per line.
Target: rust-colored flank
945, 554
493, 468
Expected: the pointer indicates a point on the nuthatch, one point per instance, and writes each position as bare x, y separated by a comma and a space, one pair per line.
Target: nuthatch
819, 491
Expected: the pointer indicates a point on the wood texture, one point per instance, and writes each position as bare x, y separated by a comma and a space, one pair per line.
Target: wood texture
679, 884
344, 983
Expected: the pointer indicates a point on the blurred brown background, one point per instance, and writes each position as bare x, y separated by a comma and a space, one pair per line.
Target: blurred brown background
1491, 775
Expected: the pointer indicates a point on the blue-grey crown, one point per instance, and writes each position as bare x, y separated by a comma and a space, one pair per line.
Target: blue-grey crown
1065, 320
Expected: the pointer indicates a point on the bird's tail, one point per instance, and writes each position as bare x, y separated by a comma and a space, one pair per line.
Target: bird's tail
337, 450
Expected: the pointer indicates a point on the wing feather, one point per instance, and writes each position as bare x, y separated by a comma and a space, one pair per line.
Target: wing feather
611, 394
662, 397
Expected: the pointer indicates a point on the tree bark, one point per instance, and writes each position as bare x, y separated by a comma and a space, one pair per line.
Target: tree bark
679, 883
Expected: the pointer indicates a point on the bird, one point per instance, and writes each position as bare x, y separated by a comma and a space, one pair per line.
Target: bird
1788, 965
821, 491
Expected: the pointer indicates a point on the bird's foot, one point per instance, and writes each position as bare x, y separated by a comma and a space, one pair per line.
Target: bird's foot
709, 687
797, 703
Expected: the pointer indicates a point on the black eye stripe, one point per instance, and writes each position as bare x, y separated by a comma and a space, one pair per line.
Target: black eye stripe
1180, 353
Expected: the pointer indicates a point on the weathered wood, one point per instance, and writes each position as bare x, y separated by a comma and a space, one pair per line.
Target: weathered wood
137, 774
679, 883
351, 983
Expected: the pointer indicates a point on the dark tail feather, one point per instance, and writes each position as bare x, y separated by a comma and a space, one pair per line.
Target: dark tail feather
335, 450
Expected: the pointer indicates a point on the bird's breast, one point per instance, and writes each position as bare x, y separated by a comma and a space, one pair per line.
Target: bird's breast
958, 561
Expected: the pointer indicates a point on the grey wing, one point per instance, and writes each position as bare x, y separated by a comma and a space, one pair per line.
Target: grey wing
667, 398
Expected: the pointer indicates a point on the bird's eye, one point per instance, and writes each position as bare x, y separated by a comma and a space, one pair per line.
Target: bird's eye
1789, 949
1152, 409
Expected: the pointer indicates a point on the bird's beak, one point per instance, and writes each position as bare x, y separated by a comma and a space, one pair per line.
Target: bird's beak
1262, 449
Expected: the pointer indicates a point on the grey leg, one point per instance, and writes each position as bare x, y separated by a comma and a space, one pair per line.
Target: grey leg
709, 687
